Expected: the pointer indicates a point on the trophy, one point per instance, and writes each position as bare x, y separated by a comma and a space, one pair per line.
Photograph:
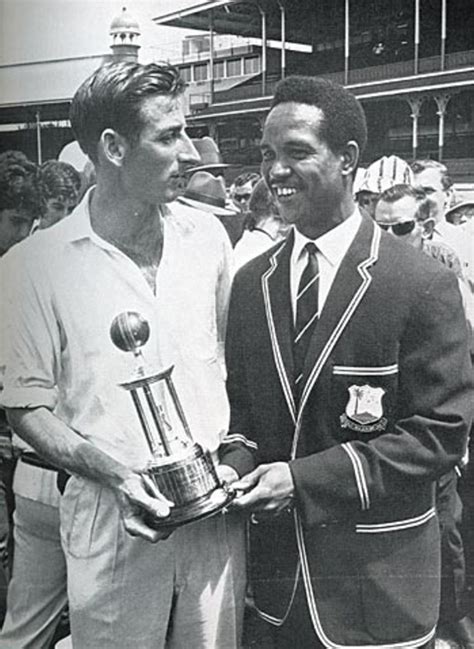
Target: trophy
182, 470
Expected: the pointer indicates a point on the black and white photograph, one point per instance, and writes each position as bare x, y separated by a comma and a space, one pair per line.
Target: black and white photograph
236, 324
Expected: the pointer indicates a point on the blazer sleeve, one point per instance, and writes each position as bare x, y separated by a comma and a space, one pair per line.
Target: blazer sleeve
435, 403
237, 448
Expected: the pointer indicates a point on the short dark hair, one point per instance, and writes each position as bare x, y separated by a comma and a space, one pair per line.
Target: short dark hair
417, 166
59, 179
112, 98
425, 205
343, 116
19, 184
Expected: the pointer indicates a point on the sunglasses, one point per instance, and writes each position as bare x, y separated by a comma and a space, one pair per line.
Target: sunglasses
399, 229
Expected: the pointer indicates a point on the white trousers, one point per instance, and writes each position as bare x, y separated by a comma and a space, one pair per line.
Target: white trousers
124, 592
37, 590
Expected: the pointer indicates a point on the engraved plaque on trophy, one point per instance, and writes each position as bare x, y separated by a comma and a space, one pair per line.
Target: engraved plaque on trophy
182, 470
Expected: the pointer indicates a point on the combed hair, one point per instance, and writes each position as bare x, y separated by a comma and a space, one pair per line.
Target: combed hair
418, 166
19, 184
343, 116
112, 97
425, 205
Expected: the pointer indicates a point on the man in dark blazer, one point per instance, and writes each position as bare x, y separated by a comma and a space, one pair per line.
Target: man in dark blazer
351, 436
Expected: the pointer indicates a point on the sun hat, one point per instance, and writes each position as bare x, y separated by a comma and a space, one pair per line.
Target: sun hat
210, 155
206, 192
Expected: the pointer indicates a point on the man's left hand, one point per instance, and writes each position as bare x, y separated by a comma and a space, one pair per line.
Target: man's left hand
269, 489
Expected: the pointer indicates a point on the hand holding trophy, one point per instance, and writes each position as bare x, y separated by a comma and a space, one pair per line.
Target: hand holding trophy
180, 468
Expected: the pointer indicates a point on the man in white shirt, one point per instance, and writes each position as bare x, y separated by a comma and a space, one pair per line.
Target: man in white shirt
348, 366
126, 249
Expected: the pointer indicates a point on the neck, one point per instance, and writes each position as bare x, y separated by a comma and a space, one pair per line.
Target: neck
316, 228
122, 220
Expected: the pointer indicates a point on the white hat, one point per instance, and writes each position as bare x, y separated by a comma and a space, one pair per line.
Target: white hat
385, 173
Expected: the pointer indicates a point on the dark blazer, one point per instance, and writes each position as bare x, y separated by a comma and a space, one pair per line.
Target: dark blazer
385, 410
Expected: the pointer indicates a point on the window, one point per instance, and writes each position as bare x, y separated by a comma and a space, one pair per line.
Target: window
234, 68
200, 72
219, 71
186, 73
252, 65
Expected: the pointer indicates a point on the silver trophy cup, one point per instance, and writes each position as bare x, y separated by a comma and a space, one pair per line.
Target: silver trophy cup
182, 470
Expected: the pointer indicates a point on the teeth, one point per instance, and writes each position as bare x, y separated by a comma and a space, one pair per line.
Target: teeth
285, 191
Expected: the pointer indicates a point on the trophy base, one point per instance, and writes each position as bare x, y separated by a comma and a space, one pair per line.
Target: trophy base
191, 483
203, 508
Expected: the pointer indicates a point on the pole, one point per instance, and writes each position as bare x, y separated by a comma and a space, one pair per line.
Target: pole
211, 56
346, 42
39, 154
443, 34
264, 52
283, 40
417, 36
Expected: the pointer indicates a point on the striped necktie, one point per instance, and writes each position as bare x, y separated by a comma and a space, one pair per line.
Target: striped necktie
307, 310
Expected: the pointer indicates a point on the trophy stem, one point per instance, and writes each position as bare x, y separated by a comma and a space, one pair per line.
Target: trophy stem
177, 403
157, 418
146, 428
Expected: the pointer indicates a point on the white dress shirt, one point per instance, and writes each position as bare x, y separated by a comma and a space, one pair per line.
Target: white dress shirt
72, 283
332, 246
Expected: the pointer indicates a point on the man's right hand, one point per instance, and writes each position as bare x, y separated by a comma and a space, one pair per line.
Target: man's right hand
138, 497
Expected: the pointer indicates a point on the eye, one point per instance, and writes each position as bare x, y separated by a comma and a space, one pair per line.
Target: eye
170, 136
267, 155
298, 154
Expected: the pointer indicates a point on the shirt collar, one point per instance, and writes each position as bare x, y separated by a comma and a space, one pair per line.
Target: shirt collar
333, 244
78, 224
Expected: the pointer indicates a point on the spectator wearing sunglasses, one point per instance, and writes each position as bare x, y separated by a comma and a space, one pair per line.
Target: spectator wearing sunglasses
405, 213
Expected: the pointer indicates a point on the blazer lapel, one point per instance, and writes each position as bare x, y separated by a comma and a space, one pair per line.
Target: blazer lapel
278, 311
350, 284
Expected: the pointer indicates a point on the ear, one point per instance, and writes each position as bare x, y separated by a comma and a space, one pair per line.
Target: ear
428, 228
113, 147
350, 157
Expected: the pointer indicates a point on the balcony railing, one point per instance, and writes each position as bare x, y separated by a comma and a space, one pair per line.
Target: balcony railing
391, 71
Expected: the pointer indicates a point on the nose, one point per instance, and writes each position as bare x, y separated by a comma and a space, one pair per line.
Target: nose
189, 152
279, 169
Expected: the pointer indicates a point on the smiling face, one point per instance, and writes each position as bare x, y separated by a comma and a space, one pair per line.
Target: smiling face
304, 174
151, 170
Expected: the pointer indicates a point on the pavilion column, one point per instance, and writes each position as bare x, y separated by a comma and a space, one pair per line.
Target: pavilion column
39, 154
346, 42
443, 34
283, 39
213, 132
264, 51
417, 37
442, 102
211, 56
415, 105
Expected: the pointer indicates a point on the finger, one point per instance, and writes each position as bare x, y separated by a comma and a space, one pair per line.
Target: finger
157, 507
247, 482
136, 527
154, 491
254, 499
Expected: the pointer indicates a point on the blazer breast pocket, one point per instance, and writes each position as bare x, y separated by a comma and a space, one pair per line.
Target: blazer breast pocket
363, 399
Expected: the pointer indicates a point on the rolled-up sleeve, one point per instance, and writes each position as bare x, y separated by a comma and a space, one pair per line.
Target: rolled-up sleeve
30, 333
